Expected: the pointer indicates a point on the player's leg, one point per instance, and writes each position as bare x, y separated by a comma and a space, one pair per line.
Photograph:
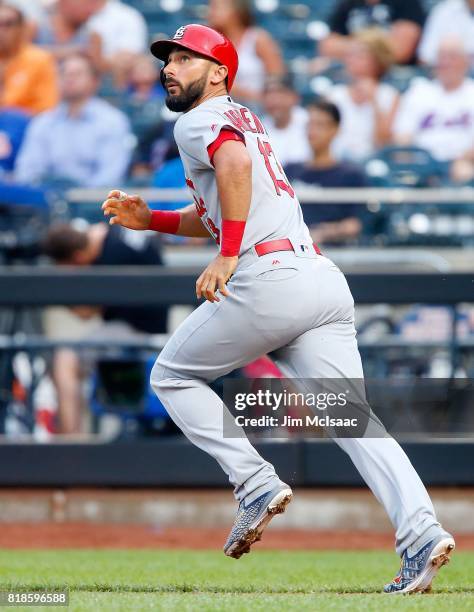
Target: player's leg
329, 351
214, 340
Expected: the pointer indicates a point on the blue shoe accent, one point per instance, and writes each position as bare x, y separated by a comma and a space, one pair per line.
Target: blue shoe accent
252, 519
417, 572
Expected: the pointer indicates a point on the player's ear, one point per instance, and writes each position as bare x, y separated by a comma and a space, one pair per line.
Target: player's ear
218, 74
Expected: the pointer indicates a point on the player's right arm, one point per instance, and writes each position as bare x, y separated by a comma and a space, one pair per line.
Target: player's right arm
134, 213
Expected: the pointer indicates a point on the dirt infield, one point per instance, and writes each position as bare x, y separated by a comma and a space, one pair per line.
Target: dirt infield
348, 519
85, 535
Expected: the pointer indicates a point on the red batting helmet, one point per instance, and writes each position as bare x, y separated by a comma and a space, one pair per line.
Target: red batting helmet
202, 40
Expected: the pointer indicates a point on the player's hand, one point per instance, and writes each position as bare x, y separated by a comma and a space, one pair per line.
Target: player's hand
215, 277
128, 211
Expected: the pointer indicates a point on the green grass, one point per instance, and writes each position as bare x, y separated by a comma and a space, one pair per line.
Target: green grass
206, 580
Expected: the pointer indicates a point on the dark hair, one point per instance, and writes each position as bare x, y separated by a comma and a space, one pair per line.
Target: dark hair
15, 9
325, 106
62, 241
245, 12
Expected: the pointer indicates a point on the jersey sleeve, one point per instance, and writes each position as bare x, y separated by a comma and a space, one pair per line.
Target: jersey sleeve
224, 135
202, 134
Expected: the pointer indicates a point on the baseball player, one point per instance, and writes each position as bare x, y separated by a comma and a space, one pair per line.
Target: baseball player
269, 290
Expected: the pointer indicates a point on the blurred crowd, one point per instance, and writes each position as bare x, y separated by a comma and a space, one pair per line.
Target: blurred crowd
81, 104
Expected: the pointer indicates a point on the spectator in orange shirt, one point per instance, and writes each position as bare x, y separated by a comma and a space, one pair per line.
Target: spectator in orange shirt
28, 79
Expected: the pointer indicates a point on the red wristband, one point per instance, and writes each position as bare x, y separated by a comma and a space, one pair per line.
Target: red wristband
165, 221
232, 234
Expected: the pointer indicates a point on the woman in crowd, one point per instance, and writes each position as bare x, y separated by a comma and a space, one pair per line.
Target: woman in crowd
259, 54
367, 105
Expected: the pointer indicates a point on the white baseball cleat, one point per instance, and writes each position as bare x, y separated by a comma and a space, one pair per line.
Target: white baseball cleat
252, 519
417, 572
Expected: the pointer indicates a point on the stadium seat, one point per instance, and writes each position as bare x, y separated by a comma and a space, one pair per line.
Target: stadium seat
405, 167
319, 10
401, 77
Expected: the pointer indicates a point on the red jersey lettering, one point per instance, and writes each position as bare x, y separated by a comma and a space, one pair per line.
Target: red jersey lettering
235, 118
249, 128
280, 184
258, 124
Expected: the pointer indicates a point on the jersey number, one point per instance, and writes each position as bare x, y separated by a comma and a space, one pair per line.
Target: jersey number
280, 184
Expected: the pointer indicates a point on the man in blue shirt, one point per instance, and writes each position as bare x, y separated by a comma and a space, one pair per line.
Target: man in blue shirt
329, 223
84, 141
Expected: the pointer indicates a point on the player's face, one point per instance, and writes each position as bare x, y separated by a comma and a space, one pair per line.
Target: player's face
186, 77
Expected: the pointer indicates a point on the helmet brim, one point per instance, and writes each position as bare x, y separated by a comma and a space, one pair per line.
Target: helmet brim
162, 49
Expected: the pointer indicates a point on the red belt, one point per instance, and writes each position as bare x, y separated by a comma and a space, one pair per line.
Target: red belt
283, 244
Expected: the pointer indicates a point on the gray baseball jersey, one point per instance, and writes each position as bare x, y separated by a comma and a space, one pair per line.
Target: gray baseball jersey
274, 210
297, 307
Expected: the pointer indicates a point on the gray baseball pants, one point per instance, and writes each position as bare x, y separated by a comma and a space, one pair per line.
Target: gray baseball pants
300, 309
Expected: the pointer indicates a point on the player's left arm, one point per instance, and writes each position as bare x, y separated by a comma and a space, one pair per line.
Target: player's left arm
233, 171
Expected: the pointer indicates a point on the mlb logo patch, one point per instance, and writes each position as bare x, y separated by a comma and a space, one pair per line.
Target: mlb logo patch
304, 248
179, 33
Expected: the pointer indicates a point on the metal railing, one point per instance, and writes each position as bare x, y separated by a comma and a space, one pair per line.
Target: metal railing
140, 286
309, 195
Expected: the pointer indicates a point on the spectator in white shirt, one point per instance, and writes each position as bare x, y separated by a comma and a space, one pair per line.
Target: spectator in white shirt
286, 121
438, 115
123, 33
367, 105
447, 18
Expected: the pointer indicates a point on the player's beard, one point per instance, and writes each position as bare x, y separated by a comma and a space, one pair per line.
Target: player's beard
184, 100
